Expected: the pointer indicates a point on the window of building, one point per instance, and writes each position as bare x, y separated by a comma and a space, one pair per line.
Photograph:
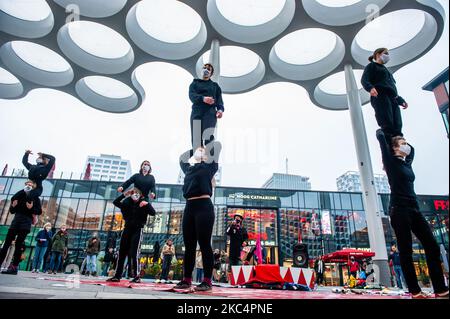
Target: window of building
114, 167
91, 160
106, 167
97, 170
99, 160
107, 162
121, 173
116, 163
123, 163
123, 168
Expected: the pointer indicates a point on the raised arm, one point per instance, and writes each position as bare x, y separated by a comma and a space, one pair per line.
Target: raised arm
194, 96
37, 208
410, 157
25, 160
184, 160
51, 162
213, 160
366, 78
385, 150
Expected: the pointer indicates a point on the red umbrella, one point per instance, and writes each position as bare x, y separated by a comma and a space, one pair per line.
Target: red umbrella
5, 170
87, 173
344, 254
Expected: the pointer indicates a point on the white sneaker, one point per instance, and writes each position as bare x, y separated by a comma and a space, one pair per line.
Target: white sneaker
157, 281
163, 281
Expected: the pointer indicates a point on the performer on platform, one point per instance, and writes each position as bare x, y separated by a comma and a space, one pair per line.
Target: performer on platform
39, 172
198, 217
135, 214
207, 107
406, 217
380, 83
143, 181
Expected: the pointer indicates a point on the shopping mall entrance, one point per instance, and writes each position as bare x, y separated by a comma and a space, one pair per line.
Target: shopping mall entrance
263, 222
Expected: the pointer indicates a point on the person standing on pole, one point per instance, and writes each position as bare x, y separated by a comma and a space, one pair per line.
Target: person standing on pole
207, 107
406, 216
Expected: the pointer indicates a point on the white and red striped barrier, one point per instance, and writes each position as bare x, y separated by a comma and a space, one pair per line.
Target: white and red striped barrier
302, 276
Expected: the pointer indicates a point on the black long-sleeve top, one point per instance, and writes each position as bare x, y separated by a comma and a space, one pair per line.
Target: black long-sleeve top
377, 76
399, 172
23, 215
134, 215
238, 235
200, 88
197, 180
38, 173
145, 183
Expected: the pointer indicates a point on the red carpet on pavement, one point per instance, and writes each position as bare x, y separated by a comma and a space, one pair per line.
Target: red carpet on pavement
237, 293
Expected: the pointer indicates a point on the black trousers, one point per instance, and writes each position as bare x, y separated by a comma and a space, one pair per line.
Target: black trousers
404, 220
203, 124
387, 114
130, 246
198, 223
19, 235
319, 278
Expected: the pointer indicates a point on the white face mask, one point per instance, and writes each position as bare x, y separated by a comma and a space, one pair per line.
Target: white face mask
39, 160
27, 188
48, 228
405, 149
206, 73
135, 197
199, 155
385, 58
146, 168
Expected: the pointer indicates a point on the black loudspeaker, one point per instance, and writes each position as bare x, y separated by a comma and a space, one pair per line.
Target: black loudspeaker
301, 258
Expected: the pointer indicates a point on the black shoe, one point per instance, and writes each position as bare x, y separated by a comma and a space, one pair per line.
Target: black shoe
94, 274
203, 287
113, 279
182, 285
136, 280
12, 270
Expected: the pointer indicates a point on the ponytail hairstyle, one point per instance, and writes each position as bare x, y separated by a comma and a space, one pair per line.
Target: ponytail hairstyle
376, 52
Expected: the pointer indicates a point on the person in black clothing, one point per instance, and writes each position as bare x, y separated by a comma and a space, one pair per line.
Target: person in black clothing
238, 237
207, 107
135, 216
23, 211
380, 83
143, 181
406, 217
319, 268
39, 172
198, 217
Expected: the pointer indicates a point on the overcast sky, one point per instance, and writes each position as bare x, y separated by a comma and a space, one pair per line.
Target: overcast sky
277, 121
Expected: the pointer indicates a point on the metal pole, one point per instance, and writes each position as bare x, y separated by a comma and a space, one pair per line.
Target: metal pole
214, 59
373, 215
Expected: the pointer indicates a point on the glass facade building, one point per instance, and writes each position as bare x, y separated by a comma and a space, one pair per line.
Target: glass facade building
325, 221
